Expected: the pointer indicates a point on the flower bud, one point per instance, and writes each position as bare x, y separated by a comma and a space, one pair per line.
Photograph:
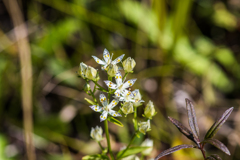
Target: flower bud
82, 70
127, 108
147, 143
91, 73
128, 64
149, 111
112, 70
96, 133
144, 126
87, 87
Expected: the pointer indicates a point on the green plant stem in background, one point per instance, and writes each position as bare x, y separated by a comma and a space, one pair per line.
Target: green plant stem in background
102, 89
134, 136
108, 139
100, 146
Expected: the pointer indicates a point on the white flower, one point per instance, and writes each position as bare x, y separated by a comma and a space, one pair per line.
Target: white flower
137, 98
96, 133
120, 86
147, 143
107, 108
144, 126
107, 59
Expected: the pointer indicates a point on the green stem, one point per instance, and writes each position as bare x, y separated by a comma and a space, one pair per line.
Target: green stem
100, 146
125, 75
109, 89
135, 119
104, 90
108, 139
92, 94
134, 136
142, 157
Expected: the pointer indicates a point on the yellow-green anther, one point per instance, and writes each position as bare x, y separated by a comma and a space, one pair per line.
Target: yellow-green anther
91, 73
96, 133
144, 126
149, 110
129, 64
112, 70
127, 108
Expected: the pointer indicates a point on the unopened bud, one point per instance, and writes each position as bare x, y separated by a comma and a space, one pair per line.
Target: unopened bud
82, 70
91, 73
149, 111
112, 70
129, 64
144, 126
87, 87
127, 108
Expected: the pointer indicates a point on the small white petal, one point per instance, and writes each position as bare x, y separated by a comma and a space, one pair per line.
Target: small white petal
129, 83
99, 61
110, 84
113, 103
96, 108
106, 56
117, 93
103, 99
114, 113
118, 78
103, 116
118, 59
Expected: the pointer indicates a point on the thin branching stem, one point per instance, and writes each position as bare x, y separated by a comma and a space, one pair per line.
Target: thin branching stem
108, 139
102, 89
100, 146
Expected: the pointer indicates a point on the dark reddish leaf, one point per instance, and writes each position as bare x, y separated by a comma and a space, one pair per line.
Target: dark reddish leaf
192, 119
214, 157
171, 150
216, 126
184, 130
217, 144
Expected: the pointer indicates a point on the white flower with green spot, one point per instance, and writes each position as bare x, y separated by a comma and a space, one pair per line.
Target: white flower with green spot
120, 87
107, 59
106, 109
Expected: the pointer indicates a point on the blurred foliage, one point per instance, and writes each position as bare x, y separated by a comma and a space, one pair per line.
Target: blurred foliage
183, 49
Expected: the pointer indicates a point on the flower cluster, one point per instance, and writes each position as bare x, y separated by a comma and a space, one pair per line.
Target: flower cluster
119, 89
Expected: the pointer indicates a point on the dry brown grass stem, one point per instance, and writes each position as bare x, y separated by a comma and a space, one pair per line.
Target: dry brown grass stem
26, 72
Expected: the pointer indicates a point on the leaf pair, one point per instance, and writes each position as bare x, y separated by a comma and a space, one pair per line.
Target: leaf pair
193, 134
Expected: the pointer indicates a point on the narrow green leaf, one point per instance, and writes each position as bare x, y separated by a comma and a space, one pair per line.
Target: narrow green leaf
115, 121
216, 126
89, 101
214, 157
95, 157
131, 151
217, 144
174, 149
184, 130
192, 119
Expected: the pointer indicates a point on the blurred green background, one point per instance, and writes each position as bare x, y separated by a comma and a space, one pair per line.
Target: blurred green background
183, 49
